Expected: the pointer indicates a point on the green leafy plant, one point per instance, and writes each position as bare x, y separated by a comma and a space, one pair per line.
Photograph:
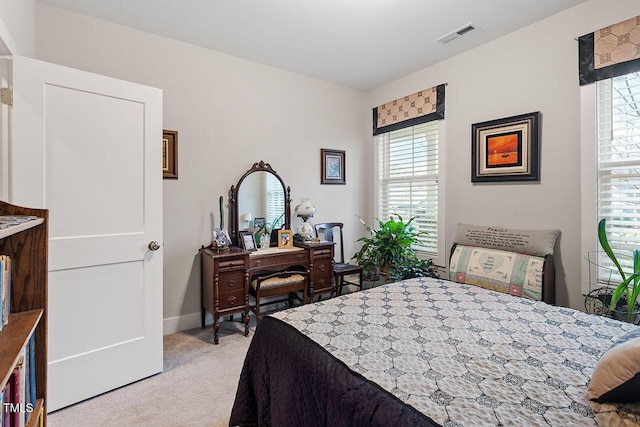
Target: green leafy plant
413, 267
627, 291
269, 227
388, 249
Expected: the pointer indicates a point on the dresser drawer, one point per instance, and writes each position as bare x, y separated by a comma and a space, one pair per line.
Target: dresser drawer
231, 281
284, 260
231, 264
323, 253
231, 299
322, 274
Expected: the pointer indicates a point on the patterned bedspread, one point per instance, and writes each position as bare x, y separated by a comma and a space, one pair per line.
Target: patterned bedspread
468, 356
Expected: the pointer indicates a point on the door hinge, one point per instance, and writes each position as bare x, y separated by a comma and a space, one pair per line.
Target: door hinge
6, 95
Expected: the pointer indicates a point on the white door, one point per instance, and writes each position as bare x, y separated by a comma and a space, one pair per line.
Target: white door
88, 148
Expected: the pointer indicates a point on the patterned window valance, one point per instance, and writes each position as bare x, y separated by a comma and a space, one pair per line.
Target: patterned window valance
411, 110
610, 52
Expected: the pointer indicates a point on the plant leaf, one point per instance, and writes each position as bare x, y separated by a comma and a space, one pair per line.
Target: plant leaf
604, 242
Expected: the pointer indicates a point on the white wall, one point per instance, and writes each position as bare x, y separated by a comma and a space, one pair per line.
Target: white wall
229, 114
532, 69
17, 27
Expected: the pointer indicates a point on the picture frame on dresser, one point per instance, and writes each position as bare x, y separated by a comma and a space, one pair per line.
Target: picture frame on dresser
285, 238
248, 241
259, 222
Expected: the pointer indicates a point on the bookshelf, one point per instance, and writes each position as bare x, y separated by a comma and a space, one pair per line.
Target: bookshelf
27, 246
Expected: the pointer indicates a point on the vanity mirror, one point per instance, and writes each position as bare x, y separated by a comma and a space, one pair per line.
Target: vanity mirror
260, 193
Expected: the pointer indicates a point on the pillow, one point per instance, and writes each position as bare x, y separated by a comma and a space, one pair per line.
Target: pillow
530, 242
616, 377
508, 272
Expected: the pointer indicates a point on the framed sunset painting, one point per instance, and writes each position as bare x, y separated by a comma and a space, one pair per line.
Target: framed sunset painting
506, 149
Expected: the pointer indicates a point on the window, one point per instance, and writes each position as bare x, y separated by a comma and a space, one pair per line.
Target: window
408, 181
618, 166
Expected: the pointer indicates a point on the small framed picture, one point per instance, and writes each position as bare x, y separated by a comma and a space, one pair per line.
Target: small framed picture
333, 167
248, 241
170, 154
259, 222
285, 238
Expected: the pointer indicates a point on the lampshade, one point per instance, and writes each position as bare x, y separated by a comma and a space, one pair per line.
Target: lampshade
305, 209
246, 217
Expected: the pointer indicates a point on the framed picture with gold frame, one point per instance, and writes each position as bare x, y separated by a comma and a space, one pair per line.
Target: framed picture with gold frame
285, 238
170, 154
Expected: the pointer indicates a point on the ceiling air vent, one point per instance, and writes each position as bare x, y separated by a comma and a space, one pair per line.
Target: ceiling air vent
456, 33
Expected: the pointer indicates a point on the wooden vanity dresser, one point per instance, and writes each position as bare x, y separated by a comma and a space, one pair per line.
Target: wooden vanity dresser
226, 275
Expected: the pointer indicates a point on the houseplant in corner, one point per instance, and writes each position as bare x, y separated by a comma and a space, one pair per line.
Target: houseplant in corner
388, 251
624, 297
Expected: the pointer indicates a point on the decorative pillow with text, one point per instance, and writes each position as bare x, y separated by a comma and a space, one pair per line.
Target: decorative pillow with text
507, 272
530, 242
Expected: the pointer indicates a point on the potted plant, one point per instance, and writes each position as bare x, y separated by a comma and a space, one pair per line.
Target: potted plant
268, 230
388, 251
624, 297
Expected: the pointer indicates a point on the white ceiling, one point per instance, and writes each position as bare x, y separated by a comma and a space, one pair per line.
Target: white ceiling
358, 43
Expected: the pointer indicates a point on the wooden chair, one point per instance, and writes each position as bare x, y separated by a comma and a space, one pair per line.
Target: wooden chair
278, 283
341, 268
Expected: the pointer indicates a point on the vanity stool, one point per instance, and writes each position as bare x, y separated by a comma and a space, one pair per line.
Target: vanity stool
279, 283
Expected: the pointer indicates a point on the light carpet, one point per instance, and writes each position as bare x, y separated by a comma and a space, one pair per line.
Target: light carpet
196, 388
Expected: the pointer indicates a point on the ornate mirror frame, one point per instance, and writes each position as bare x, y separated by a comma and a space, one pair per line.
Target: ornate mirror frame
261, 166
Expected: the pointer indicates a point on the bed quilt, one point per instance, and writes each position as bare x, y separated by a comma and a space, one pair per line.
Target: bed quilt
468, 356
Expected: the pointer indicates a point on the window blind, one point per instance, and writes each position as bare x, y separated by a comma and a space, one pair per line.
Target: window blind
408, 180
274, 201
618, 135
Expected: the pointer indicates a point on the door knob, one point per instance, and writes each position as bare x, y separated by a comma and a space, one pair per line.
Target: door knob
154, 245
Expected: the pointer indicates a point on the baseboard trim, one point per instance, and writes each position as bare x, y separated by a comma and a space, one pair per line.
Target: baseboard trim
185, 322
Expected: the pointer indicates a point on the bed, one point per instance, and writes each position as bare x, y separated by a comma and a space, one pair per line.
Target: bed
429, 352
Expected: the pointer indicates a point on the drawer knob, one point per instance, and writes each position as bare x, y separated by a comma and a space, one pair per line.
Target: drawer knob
232, 299
232, 283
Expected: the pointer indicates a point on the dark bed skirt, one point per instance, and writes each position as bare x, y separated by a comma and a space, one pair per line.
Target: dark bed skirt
289, 380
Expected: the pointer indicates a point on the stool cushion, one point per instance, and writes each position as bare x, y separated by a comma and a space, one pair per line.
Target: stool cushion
276, 282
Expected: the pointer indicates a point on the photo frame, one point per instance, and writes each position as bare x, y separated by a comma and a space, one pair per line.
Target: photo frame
506, 149
248, 241
259, 222
333, 166
285, 238
170, 154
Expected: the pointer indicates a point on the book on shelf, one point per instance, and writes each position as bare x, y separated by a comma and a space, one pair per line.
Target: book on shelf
7, 221
6, 397
2, 302
16, 406
31, 371
5, 288
15, 396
